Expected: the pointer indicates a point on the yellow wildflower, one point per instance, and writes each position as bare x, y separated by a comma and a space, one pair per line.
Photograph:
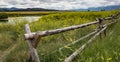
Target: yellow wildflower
108, 59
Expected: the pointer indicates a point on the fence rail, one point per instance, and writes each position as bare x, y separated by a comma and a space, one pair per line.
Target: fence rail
56, 31
33, 37
72, 56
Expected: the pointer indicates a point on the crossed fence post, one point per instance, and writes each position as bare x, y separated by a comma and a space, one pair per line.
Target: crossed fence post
100, 26
32, 54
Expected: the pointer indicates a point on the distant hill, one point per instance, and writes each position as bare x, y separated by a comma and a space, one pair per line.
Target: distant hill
25, 9
112, 7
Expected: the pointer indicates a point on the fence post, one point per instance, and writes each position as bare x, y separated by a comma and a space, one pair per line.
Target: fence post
36, 40
32, 54
105, 32
100, 26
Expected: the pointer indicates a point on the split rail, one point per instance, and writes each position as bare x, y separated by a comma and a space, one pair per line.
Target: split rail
33, 38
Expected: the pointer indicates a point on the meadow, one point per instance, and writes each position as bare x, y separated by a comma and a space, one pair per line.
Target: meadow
13, 48
28, 13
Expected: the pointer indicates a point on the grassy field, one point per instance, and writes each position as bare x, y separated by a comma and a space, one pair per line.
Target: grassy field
13, 48
28, 13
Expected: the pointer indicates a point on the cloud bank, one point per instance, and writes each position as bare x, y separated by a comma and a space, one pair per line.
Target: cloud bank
57, 4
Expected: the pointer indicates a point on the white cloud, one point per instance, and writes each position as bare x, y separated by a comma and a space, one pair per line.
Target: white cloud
57, 4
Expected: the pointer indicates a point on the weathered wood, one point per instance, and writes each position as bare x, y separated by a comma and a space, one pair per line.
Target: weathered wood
56, 31
36, 40
110, 23
32, 51
72, 56
100, 25
108, 18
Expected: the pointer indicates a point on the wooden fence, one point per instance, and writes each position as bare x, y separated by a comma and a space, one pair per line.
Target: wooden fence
33, 38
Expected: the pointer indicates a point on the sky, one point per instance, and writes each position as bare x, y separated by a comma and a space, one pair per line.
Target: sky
57, 4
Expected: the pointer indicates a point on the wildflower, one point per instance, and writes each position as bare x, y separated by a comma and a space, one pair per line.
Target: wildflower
108, 59
102, 57
66, 47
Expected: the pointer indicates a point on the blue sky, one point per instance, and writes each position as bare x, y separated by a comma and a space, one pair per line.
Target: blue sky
57, 4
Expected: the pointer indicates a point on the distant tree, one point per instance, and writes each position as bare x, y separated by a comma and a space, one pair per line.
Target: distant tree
3, 15
88, 10
102, 9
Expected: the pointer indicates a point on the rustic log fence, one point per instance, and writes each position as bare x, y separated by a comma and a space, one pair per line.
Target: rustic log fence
33, 38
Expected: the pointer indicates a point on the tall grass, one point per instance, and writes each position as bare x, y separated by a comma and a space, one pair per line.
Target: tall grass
48, 46
28, 13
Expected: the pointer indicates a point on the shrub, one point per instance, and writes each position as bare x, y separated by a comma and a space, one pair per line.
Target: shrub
3, 15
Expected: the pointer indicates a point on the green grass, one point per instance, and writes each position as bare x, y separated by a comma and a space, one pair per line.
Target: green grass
99, 51
28, 13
